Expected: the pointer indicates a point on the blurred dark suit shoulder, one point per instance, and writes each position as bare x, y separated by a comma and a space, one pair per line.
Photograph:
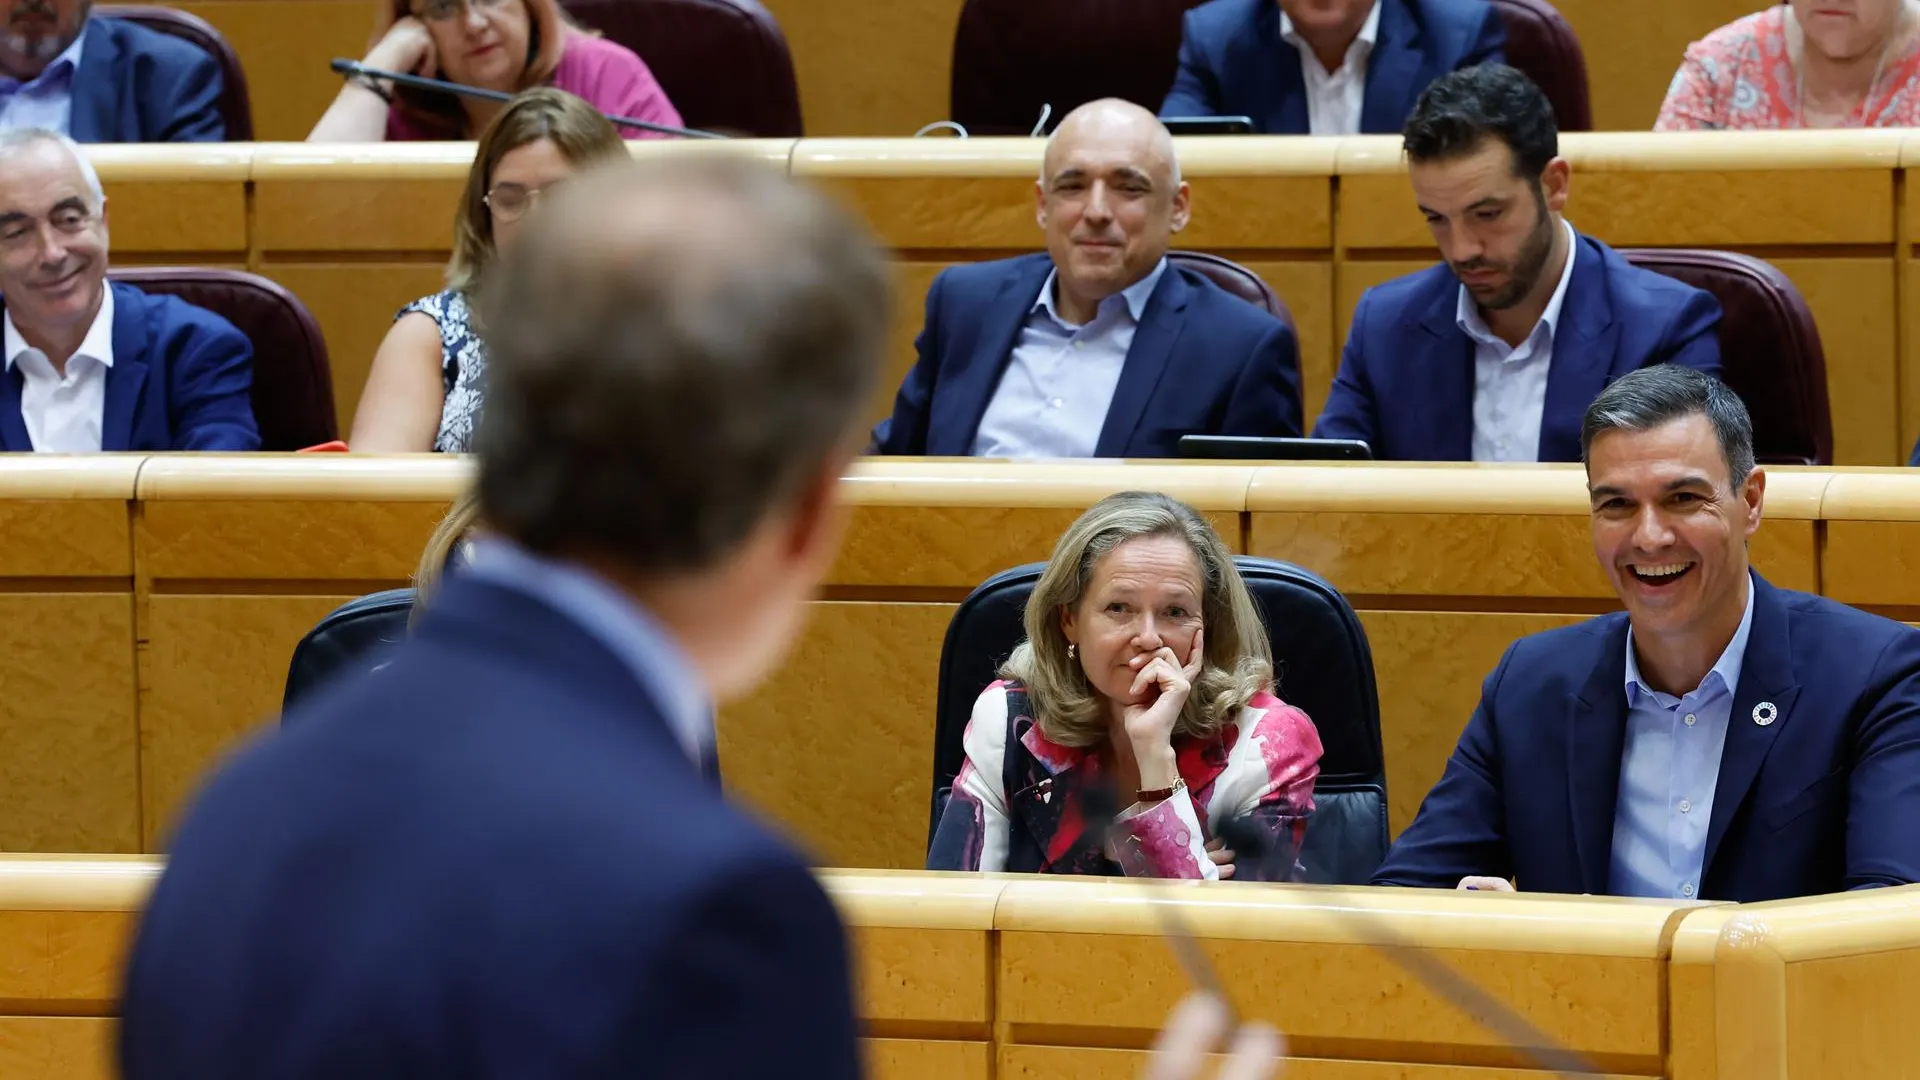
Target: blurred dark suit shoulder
491, 858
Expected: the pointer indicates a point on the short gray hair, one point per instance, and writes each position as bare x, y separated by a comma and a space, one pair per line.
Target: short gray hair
19, 139
1646, 399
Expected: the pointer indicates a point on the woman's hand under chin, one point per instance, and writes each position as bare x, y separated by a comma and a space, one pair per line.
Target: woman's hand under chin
1159, 692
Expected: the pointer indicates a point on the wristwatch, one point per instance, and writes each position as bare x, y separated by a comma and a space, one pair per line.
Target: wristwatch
1160, 794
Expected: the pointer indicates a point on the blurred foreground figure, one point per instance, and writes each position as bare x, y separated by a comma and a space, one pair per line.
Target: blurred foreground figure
498, 856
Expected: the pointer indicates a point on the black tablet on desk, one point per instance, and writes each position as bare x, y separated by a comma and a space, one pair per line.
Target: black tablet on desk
1258, 448
1208, 125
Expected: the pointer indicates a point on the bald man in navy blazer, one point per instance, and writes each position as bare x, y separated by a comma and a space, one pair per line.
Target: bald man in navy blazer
1101, 347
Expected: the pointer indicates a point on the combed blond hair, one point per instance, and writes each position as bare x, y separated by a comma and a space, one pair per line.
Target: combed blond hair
1238, 663
452, 531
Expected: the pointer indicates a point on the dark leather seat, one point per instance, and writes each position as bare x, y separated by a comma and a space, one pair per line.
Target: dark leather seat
1769, 349
1324, 664
352, 638
292, 382
723, 63
1236, 279
1540, 43
235, 108
1010, 57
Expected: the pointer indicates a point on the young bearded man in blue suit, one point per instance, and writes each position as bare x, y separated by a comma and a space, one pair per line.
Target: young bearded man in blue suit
1099, 348
1325, 67
1494, 354
92, 366
103, 80
1722, 739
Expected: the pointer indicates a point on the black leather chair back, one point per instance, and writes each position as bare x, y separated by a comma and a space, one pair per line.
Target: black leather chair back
351, 639
1324, 667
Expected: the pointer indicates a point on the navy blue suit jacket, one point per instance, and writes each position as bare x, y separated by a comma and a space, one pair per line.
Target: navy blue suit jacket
1203, 362
490, 858
1405, 384
1233, 61
139, 85
1821, 800
182, 379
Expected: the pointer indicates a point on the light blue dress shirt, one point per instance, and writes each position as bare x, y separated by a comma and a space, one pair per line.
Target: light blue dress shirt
604, 612
1668, 773
47, 100
1053, 399
1510, 381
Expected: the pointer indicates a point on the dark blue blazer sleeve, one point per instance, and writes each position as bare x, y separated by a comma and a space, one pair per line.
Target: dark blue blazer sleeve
1196, 88
185, 106
209, 366
1266, 397
1489, 43
1883, 847
1695, 340
1351, 411
905, 432
755, 984
1460, 830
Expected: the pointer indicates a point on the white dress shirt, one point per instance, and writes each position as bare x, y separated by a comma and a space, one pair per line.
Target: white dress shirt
1335, 98
1510, 381
46, 101
64, 414
1053, 398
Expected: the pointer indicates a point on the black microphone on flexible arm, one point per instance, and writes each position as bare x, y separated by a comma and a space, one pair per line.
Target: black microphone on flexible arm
352, 68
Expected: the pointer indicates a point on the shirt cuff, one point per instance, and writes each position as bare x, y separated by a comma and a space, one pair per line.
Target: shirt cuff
1162, 841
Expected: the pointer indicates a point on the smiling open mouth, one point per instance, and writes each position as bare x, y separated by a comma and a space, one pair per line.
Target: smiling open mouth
1660, 575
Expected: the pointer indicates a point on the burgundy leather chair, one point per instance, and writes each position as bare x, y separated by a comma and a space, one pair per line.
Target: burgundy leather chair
1236, 279
292, 382
723, 63
1010, 57
1540, 43
235, 109
1769, 349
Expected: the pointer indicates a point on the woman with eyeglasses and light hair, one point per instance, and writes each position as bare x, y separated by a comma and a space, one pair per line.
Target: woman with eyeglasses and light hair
1145, 686
428, 378
503, 45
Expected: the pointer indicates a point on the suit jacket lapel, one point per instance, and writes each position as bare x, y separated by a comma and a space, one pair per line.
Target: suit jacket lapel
979, 378
1046, 800
1146, 361
94, 84
1445, 384
1596, 739
1766, 676
126, 379
13, 425
1583, 348
1393, 71
1273, 69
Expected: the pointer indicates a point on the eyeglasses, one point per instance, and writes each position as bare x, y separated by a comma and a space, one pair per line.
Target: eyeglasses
446, 11
510, 202
20, 233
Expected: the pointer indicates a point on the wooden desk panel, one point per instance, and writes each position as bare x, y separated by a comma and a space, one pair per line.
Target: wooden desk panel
187, 203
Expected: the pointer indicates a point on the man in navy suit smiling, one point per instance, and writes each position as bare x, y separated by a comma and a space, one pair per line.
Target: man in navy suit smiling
1722, 739
1099, 348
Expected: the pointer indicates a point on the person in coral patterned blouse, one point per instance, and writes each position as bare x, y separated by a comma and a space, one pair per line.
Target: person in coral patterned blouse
1804, 64
1146, 673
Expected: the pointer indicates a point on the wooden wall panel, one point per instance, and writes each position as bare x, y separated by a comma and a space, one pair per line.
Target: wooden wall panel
881, 70
1306, 287
844, 731
1095, 1063
68, 747
284, 46
214, 669
62, 962
1631, 61
57, 1048
1854, 303
928, 1059
355, 303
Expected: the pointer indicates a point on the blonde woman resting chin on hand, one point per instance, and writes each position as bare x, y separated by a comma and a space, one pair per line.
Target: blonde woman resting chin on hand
1145, 682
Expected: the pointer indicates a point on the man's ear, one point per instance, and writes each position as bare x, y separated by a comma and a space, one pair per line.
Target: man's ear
1753, 495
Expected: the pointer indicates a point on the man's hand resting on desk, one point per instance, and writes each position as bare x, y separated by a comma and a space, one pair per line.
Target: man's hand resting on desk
1485, 884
